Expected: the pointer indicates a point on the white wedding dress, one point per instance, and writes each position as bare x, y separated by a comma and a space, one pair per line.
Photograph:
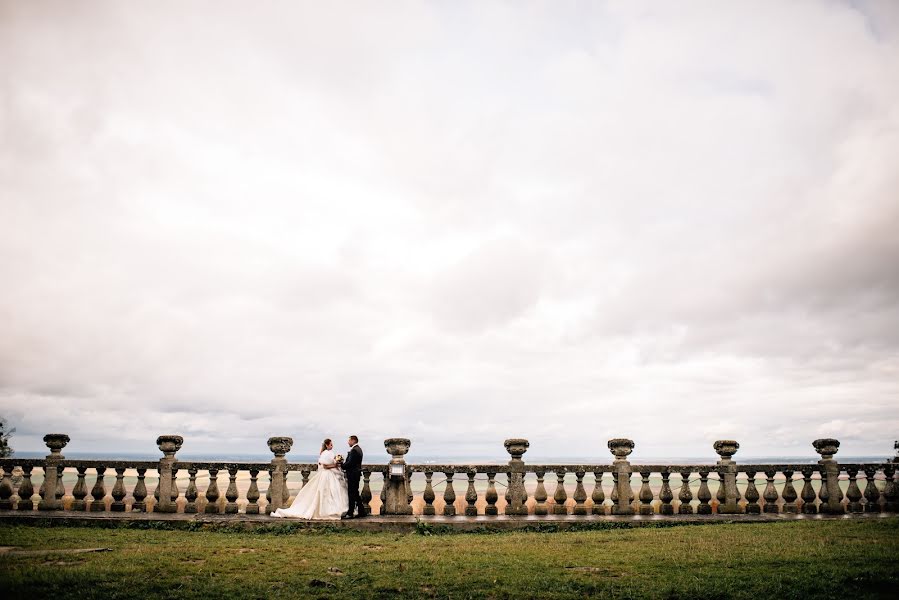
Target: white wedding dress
323, 497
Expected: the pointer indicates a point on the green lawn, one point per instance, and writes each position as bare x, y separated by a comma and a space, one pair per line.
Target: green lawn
798, 559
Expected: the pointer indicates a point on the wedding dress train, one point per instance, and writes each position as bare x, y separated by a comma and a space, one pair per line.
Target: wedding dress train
323, 497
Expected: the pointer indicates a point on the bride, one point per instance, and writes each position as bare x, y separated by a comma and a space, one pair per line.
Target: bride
325, 495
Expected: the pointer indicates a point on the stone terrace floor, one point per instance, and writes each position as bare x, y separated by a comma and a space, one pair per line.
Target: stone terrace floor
400, 523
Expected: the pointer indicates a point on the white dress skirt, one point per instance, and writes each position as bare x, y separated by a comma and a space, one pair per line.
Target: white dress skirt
323, 497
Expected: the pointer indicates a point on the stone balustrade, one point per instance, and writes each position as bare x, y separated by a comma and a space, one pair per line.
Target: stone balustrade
516, 489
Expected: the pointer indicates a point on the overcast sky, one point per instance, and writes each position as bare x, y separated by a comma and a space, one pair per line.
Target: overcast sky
456, 222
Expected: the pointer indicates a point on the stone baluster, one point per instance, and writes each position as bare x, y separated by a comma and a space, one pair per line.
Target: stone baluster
872, 494
853, 494
560, 495
231, 494
685, 495
168, 445
666, 495
621, 448
383, 496
118, 491
830, 476
540, 496
517, 495
752, 495
770, 494
704, 495
305, 475
26, 490
279, 446
598, 496
60, 487
268, 491
808, 492
645, 494
5, 488
98, 492
212, 492
890, 489
580, 495
192, 492
471, 496
139, 494
365, 495
175, 491
727, 470
253, 494
449, 496
508, 496
79, 492
491, 496
789, 494
429, 496
55, 442
397, 496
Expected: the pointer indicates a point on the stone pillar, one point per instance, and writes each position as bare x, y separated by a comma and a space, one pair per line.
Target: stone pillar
56, 442
728, 470
621, 448
830, 468
168, 445
396, 499
279, 446
518, 495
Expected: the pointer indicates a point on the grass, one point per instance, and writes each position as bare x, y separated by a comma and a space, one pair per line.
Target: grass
800, 559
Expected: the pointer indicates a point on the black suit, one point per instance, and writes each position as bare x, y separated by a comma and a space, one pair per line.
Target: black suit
353, 467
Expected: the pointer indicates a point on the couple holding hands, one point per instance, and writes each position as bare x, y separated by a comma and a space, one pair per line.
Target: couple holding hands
333, 490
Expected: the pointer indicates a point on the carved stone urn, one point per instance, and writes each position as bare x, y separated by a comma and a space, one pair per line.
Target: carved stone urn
621, 447
56, 442
397, 447
726, 448
280, 445
516, 447
826, 447
169, 444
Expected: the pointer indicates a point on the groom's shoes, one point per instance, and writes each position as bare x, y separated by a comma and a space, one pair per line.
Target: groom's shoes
345, 516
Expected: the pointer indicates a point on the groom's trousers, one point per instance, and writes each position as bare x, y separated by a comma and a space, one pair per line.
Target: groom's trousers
352, 482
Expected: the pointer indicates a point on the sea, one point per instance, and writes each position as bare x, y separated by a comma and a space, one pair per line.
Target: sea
466, 460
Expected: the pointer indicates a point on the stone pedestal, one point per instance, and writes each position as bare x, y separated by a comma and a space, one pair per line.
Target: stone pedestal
396, 500
56, 442
518, 495
277, 484
727, 470
621, 448
830, 473
168, 445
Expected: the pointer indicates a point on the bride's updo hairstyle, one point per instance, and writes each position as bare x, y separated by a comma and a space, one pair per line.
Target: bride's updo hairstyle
325, 445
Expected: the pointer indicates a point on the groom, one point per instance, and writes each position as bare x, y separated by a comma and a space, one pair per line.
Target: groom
353, 467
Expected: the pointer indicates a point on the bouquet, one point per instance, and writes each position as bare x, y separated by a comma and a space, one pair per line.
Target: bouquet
338, 459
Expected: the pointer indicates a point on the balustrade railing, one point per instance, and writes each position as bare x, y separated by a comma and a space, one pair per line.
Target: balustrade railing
450, 490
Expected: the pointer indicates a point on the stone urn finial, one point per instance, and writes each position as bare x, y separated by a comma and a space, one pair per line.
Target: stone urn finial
56, 442
397, 447
169, 444
621, 447
826, 447
726, 448
280, 445
516, 447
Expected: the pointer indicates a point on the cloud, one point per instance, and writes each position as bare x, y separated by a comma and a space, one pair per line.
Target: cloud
457, 223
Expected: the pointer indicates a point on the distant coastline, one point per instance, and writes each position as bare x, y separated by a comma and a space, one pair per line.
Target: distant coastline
383, 458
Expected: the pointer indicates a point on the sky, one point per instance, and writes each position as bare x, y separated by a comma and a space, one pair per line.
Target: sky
456, 222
